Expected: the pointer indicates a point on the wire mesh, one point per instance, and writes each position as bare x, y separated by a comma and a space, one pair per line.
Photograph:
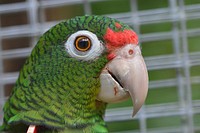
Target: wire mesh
178, 68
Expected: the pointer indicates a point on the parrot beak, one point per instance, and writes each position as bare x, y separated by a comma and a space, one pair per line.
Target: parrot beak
124, 76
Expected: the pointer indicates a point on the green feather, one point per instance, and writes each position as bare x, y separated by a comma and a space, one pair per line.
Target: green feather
56, 91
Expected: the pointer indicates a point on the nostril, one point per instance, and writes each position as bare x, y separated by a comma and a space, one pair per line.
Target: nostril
130, 51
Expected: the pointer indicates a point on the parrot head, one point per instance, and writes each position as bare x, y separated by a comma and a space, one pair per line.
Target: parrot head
76, 68
123, 73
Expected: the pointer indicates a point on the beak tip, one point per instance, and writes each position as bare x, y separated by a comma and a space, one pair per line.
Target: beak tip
138, 102
134, 112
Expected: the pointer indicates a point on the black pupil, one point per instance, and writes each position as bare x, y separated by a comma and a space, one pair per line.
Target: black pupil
83, 43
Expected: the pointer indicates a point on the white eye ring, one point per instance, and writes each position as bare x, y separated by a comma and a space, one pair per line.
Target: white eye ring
95, 50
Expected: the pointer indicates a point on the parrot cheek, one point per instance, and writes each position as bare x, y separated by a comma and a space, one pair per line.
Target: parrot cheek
123, 77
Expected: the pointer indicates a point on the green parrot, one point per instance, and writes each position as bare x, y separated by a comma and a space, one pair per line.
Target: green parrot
75, 69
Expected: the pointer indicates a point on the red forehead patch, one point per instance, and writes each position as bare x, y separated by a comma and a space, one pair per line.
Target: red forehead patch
118, 39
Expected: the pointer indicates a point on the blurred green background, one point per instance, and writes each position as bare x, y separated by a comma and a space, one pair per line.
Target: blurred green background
150, 49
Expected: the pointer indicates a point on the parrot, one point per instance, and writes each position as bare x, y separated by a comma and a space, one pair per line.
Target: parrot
76, 68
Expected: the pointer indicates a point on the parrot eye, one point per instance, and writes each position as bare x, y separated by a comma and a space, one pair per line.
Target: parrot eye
82, 43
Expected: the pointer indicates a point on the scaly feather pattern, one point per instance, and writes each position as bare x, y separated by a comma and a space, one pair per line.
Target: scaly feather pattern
58, 92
